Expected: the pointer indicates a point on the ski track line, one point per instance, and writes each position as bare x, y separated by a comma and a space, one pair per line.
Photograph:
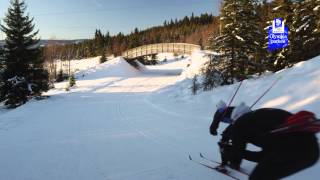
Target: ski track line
130, 174
166, 111
153, 138
129, 124
156, 139
122, 118
121, 115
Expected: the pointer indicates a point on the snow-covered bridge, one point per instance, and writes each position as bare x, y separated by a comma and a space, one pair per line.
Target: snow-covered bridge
151, 49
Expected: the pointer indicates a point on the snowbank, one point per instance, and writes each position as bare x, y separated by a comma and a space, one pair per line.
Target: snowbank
141, 66
77, 65
165, 56
117, 67
297, 89
197, 61
191, 66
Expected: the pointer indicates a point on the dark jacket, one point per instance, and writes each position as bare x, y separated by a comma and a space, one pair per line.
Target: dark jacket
254, 127
218, 117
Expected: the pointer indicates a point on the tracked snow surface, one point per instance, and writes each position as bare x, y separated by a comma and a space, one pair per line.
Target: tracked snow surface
119, 123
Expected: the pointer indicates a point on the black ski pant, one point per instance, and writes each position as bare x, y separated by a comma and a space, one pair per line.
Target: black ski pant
225, 146
286, 161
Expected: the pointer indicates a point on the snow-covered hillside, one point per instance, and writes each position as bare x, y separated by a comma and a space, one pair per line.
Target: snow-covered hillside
119, 123
77, 65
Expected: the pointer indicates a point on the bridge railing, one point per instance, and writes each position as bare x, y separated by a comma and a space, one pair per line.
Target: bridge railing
182, 48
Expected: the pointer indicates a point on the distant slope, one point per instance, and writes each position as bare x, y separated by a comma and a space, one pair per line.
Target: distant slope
55, 42
61, 42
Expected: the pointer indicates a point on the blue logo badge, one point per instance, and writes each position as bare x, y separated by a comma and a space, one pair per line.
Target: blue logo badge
278, 35
278, 23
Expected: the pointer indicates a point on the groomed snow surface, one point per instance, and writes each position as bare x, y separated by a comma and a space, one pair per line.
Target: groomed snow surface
119, 123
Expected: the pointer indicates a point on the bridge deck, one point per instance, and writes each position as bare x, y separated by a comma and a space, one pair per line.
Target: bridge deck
181, 48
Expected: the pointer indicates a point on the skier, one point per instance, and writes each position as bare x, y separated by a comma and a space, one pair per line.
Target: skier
223, 114
226, 114
285, 151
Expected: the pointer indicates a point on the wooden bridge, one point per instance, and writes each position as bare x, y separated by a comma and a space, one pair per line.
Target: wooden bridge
151, 49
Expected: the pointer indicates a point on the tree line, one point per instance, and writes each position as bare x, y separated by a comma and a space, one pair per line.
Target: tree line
191, 29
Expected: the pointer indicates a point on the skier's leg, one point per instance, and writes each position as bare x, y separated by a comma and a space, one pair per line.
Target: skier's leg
278, 165
224, 153
302, 159
264, 170
225, 146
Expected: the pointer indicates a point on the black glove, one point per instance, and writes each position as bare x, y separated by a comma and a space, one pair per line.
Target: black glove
213, 132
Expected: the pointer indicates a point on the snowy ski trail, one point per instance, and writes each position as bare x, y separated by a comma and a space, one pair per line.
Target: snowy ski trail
90, 134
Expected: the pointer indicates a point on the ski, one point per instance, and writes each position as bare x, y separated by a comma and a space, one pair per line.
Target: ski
216, 162
217, 169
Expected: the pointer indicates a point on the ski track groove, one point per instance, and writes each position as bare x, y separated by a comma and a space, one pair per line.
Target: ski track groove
127, 123
149, 136
144, 133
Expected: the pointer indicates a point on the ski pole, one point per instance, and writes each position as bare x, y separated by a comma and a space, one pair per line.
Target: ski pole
235, 93
314, 122
274, 83
225, 111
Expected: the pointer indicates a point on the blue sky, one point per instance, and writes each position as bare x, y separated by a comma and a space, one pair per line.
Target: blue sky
75, 19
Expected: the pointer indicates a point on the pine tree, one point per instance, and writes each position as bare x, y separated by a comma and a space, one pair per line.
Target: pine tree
72, 80
226, 42
264, 13
240, 39
2, 82
281, 58
301, 18
60, 76
23, 72
306, 33
99, 41
195, 85
317, 12
214, 74
1, 59
249, 36
103, 57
